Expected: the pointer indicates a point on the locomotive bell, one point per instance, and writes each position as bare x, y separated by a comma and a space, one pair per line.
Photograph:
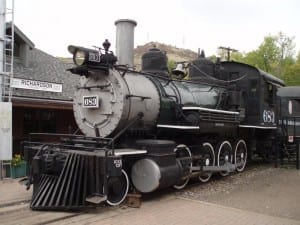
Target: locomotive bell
179, 71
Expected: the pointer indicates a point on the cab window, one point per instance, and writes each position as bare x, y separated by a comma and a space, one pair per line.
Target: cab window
270, 90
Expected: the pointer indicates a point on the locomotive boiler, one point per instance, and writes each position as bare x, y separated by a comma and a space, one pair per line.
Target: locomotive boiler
150, 129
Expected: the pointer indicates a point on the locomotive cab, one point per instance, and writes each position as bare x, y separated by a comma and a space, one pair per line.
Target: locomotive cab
258, 90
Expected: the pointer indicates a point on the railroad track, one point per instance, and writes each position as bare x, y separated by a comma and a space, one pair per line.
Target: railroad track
19, 213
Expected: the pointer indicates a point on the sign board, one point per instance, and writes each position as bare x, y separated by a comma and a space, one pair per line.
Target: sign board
5, 131
35, 85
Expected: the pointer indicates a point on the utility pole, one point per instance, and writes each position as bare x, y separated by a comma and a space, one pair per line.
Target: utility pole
228, 51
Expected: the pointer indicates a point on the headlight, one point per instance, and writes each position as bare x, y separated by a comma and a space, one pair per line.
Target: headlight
84, 56
79, 57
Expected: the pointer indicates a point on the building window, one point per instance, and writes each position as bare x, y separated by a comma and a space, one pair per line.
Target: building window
29, 126
16, 49
39, 121
48, 119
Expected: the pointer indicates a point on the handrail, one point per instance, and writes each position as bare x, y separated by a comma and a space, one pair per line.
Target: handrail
290, 121
97, 140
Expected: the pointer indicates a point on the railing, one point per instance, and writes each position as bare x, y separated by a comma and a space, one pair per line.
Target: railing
291, 122
288, 145
77, 139
67, 142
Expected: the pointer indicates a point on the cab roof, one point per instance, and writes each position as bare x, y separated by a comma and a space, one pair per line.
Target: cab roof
289, 92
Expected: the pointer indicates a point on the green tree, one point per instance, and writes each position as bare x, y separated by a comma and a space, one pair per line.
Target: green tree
274, 55
212, 58
268, 54
171, 65
286, 47
237, 56
254, 58
265, 57
285, 44
292, 72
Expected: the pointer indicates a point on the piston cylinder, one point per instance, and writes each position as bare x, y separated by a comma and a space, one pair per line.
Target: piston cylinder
148, 176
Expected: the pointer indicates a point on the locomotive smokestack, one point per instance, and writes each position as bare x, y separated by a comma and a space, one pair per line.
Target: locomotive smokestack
125, 41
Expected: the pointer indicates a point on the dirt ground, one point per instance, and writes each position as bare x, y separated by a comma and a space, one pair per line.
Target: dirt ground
260, 188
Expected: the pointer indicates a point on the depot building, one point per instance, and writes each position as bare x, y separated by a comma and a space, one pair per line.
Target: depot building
42, 92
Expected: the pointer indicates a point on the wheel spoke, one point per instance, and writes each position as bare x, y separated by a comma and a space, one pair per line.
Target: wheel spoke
208, 160
183, 151
240, 155
224, 156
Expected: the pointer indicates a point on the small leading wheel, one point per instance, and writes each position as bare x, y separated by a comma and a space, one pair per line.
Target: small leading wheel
208, 159
224, 156
240, 155
117, 189
183, 151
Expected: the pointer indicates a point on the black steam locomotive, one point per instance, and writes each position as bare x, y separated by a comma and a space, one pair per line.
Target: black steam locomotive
147, 130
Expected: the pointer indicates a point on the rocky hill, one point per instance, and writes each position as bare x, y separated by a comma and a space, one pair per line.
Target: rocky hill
174, 54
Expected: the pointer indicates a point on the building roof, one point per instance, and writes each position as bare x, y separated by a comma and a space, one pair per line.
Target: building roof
44, 67
41, 66
19, 35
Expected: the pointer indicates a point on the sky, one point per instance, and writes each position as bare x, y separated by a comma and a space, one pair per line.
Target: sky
52, 25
